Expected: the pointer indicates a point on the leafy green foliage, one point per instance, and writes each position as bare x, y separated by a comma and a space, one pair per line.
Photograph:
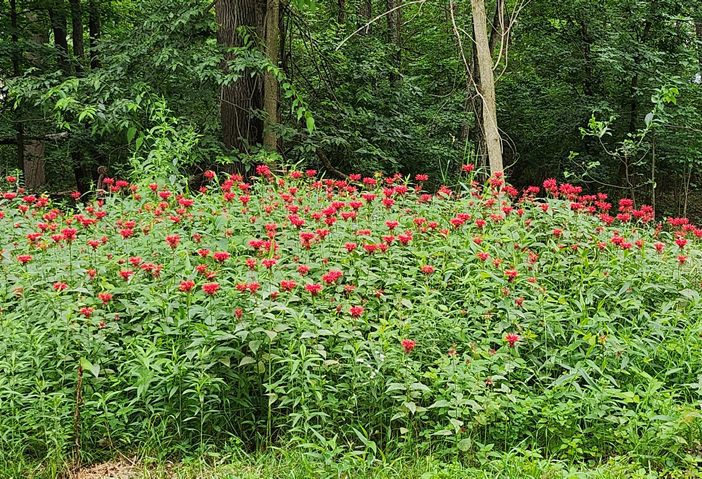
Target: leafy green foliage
348, 317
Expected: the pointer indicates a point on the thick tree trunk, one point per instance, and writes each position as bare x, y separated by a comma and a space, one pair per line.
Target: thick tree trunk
77, 34
34, 171
57, 15
487, 87
239, 99
394, 19
271, 87
94, 32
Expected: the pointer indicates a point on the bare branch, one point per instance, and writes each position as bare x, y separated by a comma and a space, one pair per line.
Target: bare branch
363, 27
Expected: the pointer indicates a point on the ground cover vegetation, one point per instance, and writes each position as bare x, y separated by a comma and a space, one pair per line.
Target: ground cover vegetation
348, 318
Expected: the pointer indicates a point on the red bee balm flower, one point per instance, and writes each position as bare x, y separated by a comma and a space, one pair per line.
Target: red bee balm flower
221, 256
126, 274
173, 240
186, 286
427, 269
210, 288
313, 288
408, 345
24, 258
511, 274
356, 311
69, 234
105, 297
60, 286
512, 339
269, 262
332, 276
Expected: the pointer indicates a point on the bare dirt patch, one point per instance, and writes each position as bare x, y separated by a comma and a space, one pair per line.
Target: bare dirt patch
121, 469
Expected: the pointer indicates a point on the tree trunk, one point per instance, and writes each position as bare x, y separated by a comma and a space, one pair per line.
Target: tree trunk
472, 103
698, 32
240, 98
394, 19
271, 87
589, 78
365, 10
94, 33
623, 173
57, 15
34, 172
498, 26
341, 16
16, 71
77, 34
487, 87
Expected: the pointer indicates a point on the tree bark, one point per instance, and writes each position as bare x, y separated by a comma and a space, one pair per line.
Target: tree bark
34, 163
487, 87
475, 104
271, 87
623, 173
589, 78
17, 71
698, 32
365, 11
77, 34
57, 15
341, 15
94, 33
394, 19
498, 24
240, 98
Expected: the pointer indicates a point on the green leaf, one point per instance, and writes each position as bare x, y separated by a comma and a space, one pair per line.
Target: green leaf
254, 345
464, 444
246, 360
88, 366
139, 142
440, 403
309, 121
